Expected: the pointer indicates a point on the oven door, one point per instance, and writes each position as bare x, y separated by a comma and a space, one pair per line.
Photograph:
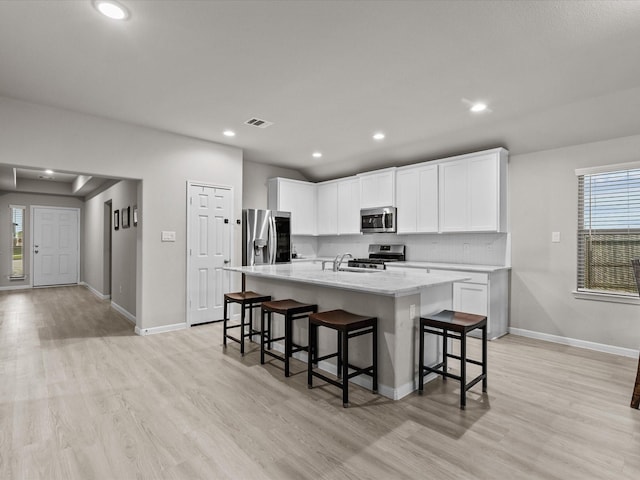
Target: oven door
378, 220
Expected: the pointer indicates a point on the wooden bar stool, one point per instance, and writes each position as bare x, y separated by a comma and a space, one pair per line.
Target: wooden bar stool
448, 321
248, 301
348, 325
292, 310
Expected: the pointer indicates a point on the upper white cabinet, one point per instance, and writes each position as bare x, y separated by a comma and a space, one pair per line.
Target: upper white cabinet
377, 189
327, 208
473, 192
339, 207
296, 197
417, 198
348, 205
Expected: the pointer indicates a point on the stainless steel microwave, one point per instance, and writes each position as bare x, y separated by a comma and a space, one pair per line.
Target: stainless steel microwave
378, 220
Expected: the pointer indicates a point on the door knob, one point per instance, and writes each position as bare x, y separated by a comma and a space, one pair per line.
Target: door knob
227, 262
36, 251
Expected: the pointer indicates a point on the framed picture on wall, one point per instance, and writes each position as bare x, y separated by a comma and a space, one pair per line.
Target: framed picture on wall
116, 220
126, 216
135, 215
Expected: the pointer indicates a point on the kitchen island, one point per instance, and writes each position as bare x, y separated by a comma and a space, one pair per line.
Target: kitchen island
397, 299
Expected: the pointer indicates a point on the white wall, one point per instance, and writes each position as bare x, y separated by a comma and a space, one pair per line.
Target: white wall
45, 137
27, 200
123, 246
543, 199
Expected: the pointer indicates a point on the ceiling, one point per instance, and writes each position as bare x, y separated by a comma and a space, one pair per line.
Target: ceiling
329, 74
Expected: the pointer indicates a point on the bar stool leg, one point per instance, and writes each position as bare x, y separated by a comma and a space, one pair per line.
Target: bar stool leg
484, 358
224, 324
242, 325
375, 356
339, 357
287, 343
445, 353
251, 323
313, 354
421, 360
262, 339
345, 369
463, 370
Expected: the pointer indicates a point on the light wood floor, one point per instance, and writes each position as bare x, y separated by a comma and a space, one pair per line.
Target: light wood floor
82, 397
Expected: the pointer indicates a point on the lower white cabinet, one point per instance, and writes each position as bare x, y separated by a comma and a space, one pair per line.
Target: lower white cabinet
485, 293
470, 298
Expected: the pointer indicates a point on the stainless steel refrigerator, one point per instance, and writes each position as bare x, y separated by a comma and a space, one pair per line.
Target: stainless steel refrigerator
266, 237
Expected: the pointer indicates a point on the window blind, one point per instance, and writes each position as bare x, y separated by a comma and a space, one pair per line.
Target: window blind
608, 231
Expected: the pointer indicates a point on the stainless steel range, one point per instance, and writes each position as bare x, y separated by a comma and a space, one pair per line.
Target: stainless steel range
379, 255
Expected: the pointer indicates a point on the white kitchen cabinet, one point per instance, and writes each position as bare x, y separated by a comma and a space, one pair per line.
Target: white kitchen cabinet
338, 206
417, 198
348, 205
472, 192
377, 188
327, 208
297, 197
485, 294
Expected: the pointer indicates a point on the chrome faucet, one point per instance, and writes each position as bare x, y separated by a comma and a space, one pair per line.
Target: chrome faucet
338, 261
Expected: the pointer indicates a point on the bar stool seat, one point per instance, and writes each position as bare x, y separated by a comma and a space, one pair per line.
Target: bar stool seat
291, 310
348, 325
247, 300
448, 321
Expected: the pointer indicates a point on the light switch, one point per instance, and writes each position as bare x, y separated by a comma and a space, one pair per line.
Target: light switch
555, 237
168, 236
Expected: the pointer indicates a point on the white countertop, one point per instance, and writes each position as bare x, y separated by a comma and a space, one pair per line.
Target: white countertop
381, 282
464, 267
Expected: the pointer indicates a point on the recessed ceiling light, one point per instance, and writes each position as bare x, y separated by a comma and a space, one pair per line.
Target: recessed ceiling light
111, 9
316, 155
478, 107
229, 133
48, 172
378, 136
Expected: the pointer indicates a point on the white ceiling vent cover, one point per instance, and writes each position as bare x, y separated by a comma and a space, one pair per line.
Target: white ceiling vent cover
257, 122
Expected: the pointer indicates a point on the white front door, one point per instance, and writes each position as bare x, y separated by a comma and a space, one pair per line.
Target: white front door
210, 231
55, 246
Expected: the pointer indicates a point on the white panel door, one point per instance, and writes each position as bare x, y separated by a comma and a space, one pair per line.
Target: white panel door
210, 231
55, 246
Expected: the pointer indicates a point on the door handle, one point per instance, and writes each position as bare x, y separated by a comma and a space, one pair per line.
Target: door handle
226, 262
36, 251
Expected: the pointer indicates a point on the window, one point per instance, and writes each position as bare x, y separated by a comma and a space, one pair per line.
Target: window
608, 231
17, 242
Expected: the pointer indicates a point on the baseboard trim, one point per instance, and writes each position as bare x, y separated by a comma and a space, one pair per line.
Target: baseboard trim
574, 342
129, 316
17, 287
101, 296
161, 329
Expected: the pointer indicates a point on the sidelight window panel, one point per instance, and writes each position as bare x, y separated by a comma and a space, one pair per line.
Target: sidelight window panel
17, 241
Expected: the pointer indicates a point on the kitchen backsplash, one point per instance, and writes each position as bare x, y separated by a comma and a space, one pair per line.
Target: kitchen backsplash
469, 248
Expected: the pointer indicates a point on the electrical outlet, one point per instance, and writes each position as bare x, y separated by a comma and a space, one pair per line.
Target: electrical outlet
412, 312
555, 237
120, 288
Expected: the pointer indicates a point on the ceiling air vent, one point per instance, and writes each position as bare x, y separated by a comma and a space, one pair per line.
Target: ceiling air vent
257, 122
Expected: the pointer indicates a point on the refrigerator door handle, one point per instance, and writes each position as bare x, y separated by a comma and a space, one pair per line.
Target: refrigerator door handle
272, 239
